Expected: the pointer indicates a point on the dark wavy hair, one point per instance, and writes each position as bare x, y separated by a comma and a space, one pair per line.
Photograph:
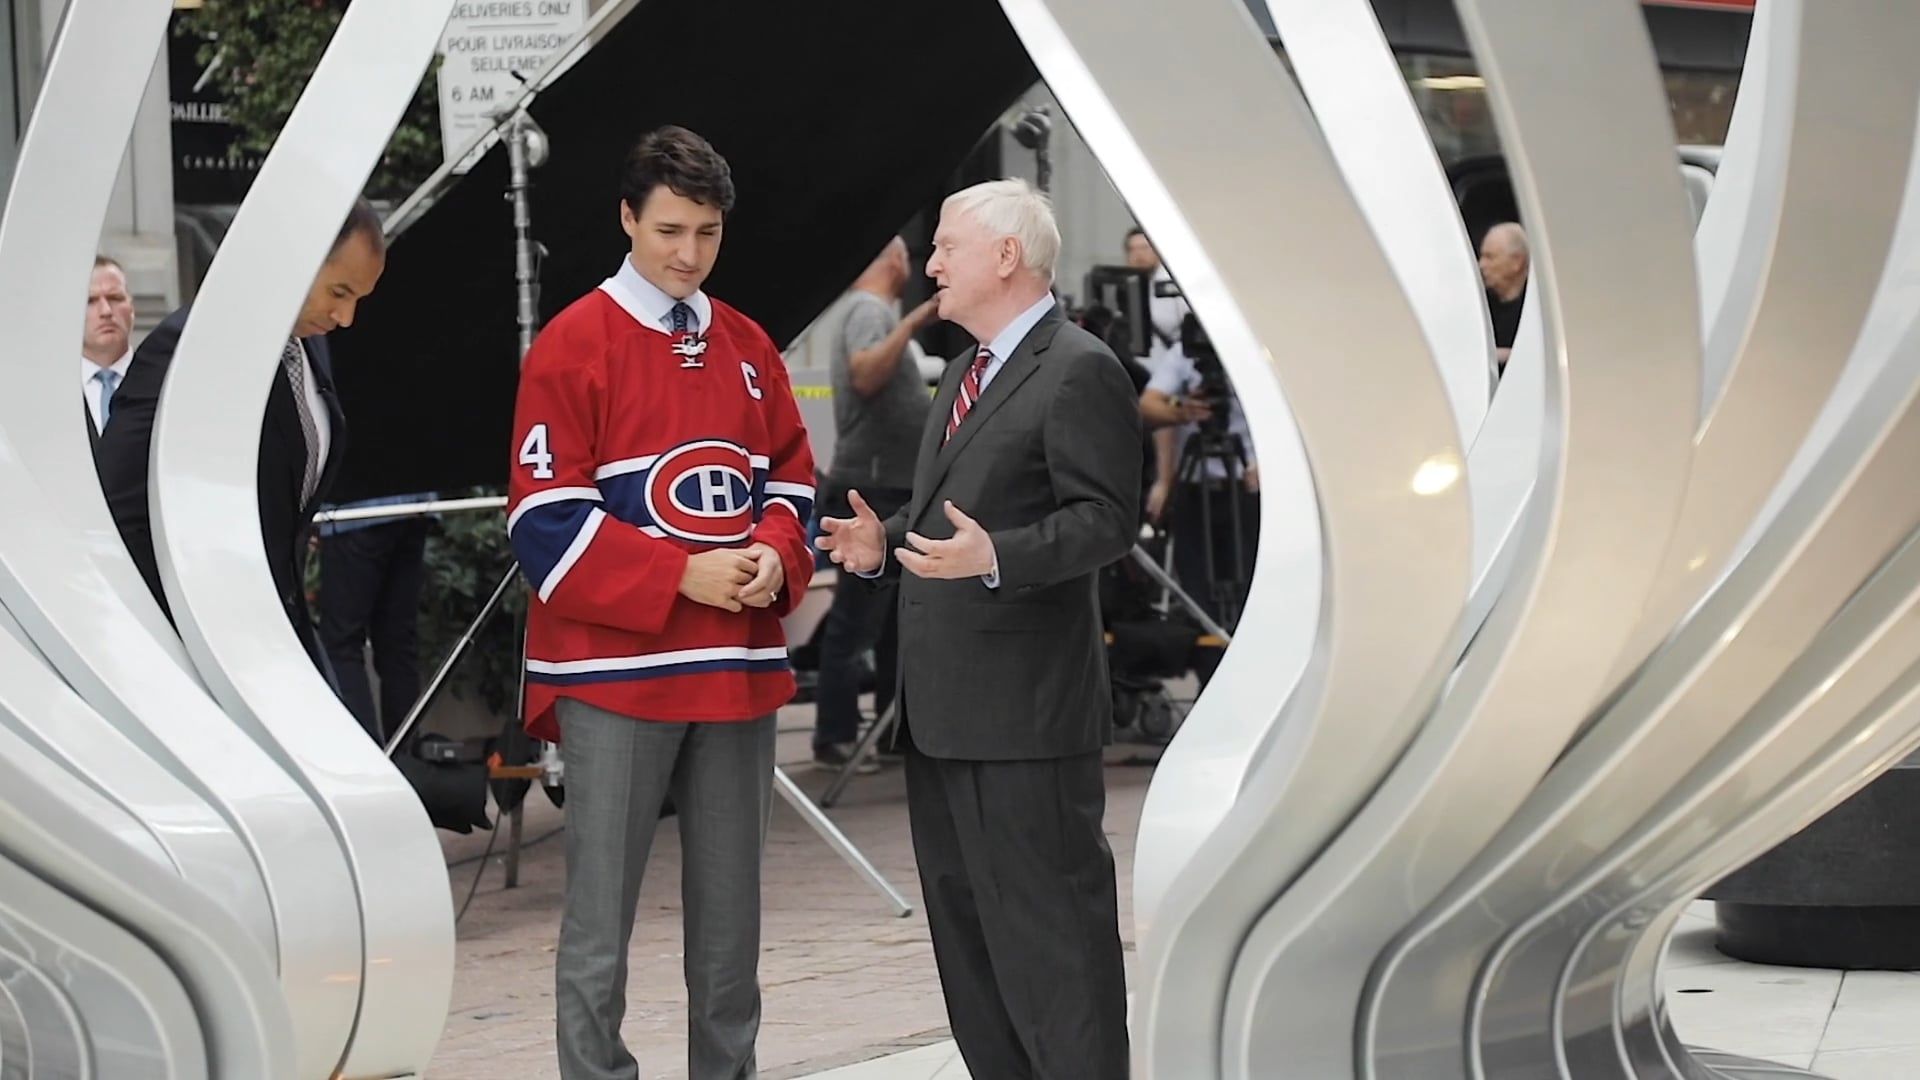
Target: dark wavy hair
687, 164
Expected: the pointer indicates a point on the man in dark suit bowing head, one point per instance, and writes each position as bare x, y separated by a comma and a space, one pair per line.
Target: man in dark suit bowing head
1026, 485
301, 435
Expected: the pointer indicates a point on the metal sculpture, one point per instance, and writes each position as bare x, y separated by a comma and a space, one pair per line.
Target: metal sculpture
181, 824
1658, 672
1517, 677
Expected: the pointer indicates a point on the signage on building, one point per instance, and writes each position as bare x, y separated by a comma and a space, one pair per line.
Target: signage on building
490, 51
209, 168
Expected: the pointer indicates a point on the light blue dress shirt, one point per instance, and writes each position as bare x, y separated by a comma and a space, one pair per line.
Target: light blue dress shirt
1002, 346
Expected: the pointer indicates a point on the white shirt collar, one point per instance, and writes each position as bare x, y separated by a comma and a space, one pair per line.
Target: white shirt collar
88, 369
648, 305
1016, 331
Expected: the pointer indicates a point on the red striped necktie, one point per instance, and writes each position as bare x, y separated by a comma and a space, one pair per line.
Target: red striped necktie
969, 390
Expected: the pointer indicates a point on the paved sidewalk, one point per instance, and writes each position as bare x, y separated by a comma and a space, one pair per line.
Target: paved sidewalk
844, 980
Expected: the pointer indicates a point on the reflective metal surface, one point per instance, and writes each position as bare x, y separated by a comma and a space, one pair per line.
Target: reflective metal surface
1613, 229
1683, 638
397, 962
206, 870
1370, 412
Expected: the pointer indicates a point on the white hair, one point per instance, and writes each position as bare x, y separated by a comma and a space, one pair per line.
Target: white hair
1013, 208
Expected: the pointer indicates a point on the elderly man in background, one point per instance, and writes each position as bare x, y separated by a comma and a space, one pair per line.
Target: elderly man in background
1503, 267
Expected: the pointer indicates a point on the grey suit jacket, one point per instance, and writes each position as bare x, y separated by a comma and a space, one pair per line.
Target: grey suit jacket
1048, 462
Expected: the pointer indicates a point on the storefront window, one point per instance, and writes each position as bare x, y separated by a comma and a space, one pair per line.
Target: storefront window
1452, 98
1702, 105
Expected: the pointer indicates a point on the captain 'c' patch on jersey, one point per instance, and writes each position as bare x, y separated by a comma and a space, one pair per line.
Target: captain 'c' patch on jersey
702, 492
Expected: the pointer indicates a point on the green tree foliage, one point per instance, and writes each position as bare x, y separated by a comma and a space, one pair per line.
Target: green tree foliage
267, 50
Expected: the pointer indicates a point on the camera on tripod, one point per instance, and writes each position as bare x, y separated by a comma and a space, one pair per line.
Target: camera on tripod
1214, 389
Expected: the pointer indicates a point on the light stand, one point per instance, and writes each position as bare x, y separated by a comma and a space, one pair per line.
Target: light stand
1033, 130
527, 150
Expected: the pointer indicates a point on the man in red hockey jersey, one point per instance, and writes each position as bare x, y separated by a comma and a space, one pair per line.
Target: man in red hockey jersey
661, 486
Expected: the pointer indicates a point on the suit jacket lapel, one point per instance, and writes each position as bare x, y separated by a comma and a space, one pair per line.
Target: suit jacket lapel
1016, 371
321, 359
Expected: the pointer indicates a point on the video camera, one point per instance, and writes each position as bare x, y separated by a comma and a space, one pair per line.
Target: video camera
1214, 386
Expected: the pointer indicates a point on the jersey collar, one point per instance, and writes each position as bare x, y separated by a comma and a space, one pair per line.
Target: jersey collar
649, 306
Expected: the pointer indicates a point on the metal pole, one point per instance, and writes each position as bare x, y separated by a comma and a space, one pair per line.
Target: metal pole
519, 171
1166, 581
446, 666
837, 840
880, 726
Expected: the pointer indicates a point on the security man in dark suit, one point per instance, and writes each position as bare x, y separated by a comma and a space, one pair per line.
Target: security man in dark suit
299, 443
1026, 485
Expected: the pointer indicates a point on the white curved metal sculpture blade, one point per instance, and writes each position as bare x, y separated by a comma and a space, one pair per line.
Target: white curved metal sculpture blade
1802, 279
1717, 239
1370, 412
1841, 694
1352, 80
1878, 392
185, 833
43, 1032
129, 1015
205, 489
1614, 233
49, 829
1885, 732
77, 616
1421, 994
96, 73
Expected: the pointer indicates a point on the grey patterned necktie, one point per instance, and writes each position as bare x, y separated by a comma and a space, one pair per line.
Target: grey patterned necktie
294, 361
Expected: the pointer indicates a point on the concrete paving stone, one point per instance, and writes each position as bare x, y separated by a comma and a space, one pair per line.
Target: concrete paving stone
843, 980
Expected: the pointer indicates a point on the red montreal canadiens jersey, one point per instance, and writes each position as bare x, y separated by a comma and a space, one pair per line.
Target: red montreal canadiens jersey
627, 459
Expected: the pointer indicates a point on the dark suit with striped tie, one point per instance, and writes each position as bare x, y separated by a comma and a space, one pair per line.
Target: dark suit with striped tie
285, 515
1005, 704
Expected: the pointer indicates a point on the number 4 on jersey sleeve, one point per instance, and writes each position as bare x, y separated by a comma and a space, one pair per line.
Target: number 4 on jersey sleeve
534, 453
580, 560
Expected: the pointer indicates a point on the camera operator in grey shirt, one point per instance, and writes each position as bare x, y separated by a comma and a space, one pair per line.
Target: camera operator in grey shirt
880, 404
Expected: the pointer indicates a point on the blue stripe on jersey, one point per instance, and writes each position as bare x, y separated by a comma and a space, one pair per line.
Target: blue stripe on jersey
543, 535
696, 667
799, 496
626, 496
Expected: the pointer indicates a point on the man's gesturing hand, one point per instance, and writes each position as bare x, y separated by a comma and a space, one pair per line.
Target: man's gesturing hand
968, 554
856, 543
767, 579
714, 577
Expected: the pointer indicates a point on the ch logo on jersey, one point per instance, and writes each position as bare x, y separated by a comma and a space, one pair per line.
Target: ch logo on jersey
702, 492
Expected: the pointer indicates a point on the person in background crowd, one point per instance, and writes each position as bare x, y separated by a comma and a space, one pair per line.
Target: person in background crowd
299, 438
106, 343
372, 571
879, 408
1504, 267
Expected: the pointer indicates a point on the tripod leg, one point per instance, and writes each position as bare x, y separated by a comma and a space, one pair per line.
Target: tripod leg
879, 727
446, 666
838, 841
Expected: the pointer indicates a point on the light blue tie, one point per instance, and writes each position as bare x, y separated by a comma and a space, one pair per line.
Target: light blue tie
682, 318
109, 381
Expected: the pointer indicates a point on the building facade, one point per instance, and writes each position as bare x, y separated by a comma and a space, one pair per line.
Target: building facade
138, 230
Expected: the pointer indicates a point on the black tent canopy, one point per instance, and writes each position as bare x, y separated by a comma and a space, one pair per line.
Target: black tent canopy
840, 121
